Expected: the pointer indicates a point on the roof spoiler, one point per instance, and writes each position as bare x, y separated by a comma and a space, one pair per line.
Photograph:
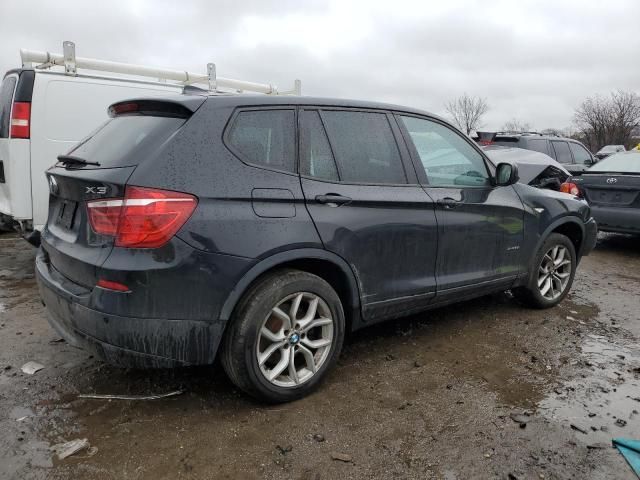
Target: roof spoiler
164, 107
486, 138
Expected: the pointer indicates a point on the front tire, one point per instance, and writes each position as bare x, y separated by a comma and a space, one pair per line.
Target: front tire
286, 333
551, 275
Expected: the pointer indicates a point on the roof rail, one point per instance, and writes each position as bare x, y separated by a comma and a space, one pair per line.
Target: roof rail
71, 63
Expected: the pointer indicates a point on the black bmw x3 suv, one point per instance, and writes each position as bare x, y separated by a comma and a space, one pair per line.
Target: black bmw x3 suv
265, 228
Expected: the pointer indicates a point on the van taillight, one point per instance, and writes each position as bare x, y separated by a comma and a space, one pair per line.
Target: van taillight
145, 218
20, 120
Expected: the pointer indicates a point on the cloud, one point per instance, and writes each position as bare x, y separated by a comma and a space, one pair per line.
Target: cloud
532, 60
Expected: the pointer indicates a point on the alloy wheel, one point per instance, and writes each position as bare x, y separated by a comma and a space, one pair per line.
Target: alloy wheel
295, 339
554, 272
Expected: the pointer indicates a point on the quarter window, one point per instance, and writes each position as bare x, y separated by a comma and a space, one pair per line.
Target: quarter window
563, 154
6, 96
265, 138
317, 158
364, 146
448, 159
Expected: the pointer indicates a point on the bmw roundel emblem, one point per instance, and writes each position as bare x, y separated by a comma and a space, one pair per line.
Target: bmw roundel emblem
53, 185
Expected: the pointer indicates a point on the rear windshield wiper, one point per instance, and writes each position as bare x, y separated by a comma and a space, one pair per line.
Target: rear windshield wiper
71, 160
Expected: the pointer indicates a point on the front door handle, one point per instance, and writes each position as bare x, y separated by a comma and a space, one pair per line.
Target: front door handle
333, 199
448, 202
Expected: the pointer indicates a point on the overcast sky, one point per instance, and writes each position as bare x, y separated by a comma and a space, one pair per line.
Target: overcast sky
532, 60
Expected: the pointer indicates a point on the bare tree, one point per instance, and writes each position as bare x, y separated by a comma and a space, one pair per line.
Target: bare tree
466, 112
516, 126
608, 120
557, 132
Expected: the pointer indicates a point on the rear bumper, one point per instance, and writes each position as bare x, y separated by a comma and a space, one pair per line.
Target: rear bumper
119, 340
616, 219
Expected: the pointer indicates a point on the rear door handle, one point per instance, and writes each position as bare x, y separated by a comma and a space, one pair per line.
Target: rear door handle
448, 202
333, 199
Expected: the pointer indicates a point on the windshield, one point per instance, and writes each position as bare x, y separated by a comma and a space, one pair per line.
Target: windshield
625, 162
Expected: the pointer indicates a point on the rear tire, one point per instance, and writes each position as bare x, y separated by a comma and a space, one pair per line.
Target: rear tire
285, 335
551, 273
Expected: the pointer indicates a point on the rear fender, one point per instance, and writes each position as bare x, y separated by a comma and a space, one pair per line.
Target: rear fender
281, 259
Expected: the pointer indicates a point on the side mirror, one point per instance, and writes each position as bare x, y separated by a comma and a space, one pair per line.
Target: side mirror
589, 161
506, 174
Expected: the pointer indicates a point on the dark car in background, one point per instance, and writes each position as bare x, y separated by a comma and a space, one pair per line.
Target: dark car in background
612, 188
534, 168
261, 229
573, 155
607, 150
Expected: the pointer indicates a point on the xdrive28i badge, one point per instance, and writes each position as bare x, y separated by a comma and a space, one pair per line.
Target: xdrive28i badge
53, 185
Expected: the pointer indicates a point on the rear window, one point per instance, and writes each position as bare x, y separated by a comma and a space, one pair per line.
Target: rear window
6, 97
618, 162
124, 141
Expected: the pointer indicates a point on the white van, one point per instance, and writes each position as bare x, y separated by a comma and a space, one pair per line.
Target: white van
44, 112
42, 115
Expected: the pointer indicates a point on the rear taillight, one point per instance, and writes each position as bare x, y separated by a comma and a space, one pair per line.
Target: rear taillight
20, 120
145, 218
572, 188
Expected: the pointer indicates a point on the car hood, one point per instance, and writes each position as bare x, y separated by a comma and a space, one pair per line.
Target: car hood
530, 163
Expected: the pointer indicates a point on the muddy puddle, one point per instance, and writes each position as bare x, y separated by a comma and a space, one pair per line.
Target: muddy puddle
604, 402
431, 396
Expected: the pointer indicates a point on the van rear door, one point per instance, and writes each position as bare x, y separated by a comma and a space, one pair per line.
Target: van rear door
15, 117
7, 88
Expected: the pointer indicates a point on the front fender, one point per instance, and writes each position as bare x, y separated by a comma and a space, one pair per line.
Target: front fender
546, 211
557, 223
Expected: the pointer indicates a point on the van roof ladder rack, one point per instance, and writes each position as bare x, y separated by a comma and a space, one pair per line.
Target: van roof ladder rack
71, 64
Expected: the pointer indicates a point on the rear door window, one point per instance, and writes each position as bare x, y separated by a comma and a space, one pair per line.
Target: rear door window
317, 158
563, 154
538, 145
265, 138
580, 153
124, 141
6, 98
364, 146
448, 159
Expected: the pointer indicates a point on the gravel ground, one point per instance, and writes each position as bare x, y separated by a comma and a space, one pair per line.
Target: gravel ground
483, 389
